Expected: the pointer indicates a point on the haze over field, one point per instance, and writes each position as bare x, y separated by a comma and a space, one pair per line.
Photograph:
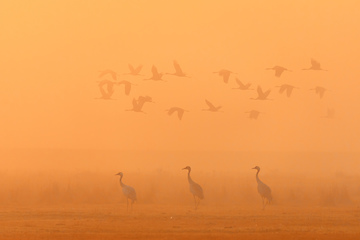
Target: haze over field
72, 117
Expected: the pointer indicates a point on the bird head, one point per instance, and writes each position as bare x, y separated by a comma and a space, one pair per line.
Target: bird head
120, 174
257, 168
187, 167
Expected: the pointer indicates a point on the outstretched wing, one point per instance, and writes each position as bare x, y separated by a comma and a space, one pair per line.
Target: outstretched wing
127, 87
211, 106
315, 64
138, 69
131, 68
241, 85
177, 68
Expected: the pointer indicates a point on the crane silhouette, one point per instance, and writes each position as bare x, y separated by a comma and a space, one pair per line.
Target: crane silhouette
128, 191
156, 76
286, 87
108, 71
315, 65
195, 188
127, 86
225, 74
178, 72
253, 114
211, 108
263, 189
134, 71
320, 91
106, 94
242, 86
180, 111
261, 95
278, 70
139, 103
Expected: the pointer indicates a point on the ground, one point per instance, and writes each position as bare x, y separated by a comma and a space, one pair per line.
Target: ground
178, 222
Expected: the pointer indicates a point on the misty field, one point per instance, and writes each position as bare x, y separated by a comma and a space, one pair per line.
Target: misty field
178, 222
76, 195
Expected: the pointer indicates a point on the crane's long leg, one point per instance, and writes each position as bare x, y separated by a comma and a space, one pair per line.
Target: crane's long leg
127, 204
198, 203
195, 202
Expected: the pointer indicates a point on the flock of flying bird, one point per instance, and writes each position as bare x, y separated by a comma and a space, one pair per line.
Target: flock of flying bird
107, 87
197, 191
138, 104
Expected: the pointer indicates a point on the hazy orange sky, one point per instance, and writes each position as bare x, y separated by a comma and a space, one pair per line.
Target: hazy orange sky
52, 51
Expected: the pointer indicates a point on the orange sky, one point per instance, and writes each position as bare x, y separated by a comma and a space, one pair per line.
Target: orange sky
52, 51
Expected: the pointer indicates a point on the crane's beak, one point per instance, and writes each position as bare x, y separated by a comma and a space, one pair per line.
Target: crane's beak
253, 168
184, 168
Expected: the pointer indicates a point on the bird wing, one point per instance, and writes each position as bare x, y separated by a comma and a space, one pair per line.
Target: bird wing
135, 104
107, 71
102, 73
171, 110
289, 91
110, 87
259, 91
279, 71
226, 75
180, 113
177, 68
131, 68
282, 88
155, 72
254, 114
104, 94
241, 85
211, 106
266, 94
127, 87
315, 64
138, 69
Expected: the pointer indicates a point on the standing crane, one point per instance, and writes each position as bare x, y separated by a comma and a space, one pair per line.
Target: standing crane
195, 188
263, 189
128, 191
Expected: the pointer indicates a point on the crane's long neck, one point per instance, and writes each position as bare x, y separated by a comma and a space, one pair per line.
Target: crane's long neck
121, 183
257, 176
189, 177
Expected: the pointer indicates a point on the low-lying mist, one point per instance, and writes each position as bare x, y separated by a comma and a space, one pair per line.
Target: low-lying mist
227, 178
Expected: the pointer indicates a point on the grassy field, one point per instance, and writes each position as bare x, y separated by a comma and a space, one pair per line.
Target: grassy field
178, 222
